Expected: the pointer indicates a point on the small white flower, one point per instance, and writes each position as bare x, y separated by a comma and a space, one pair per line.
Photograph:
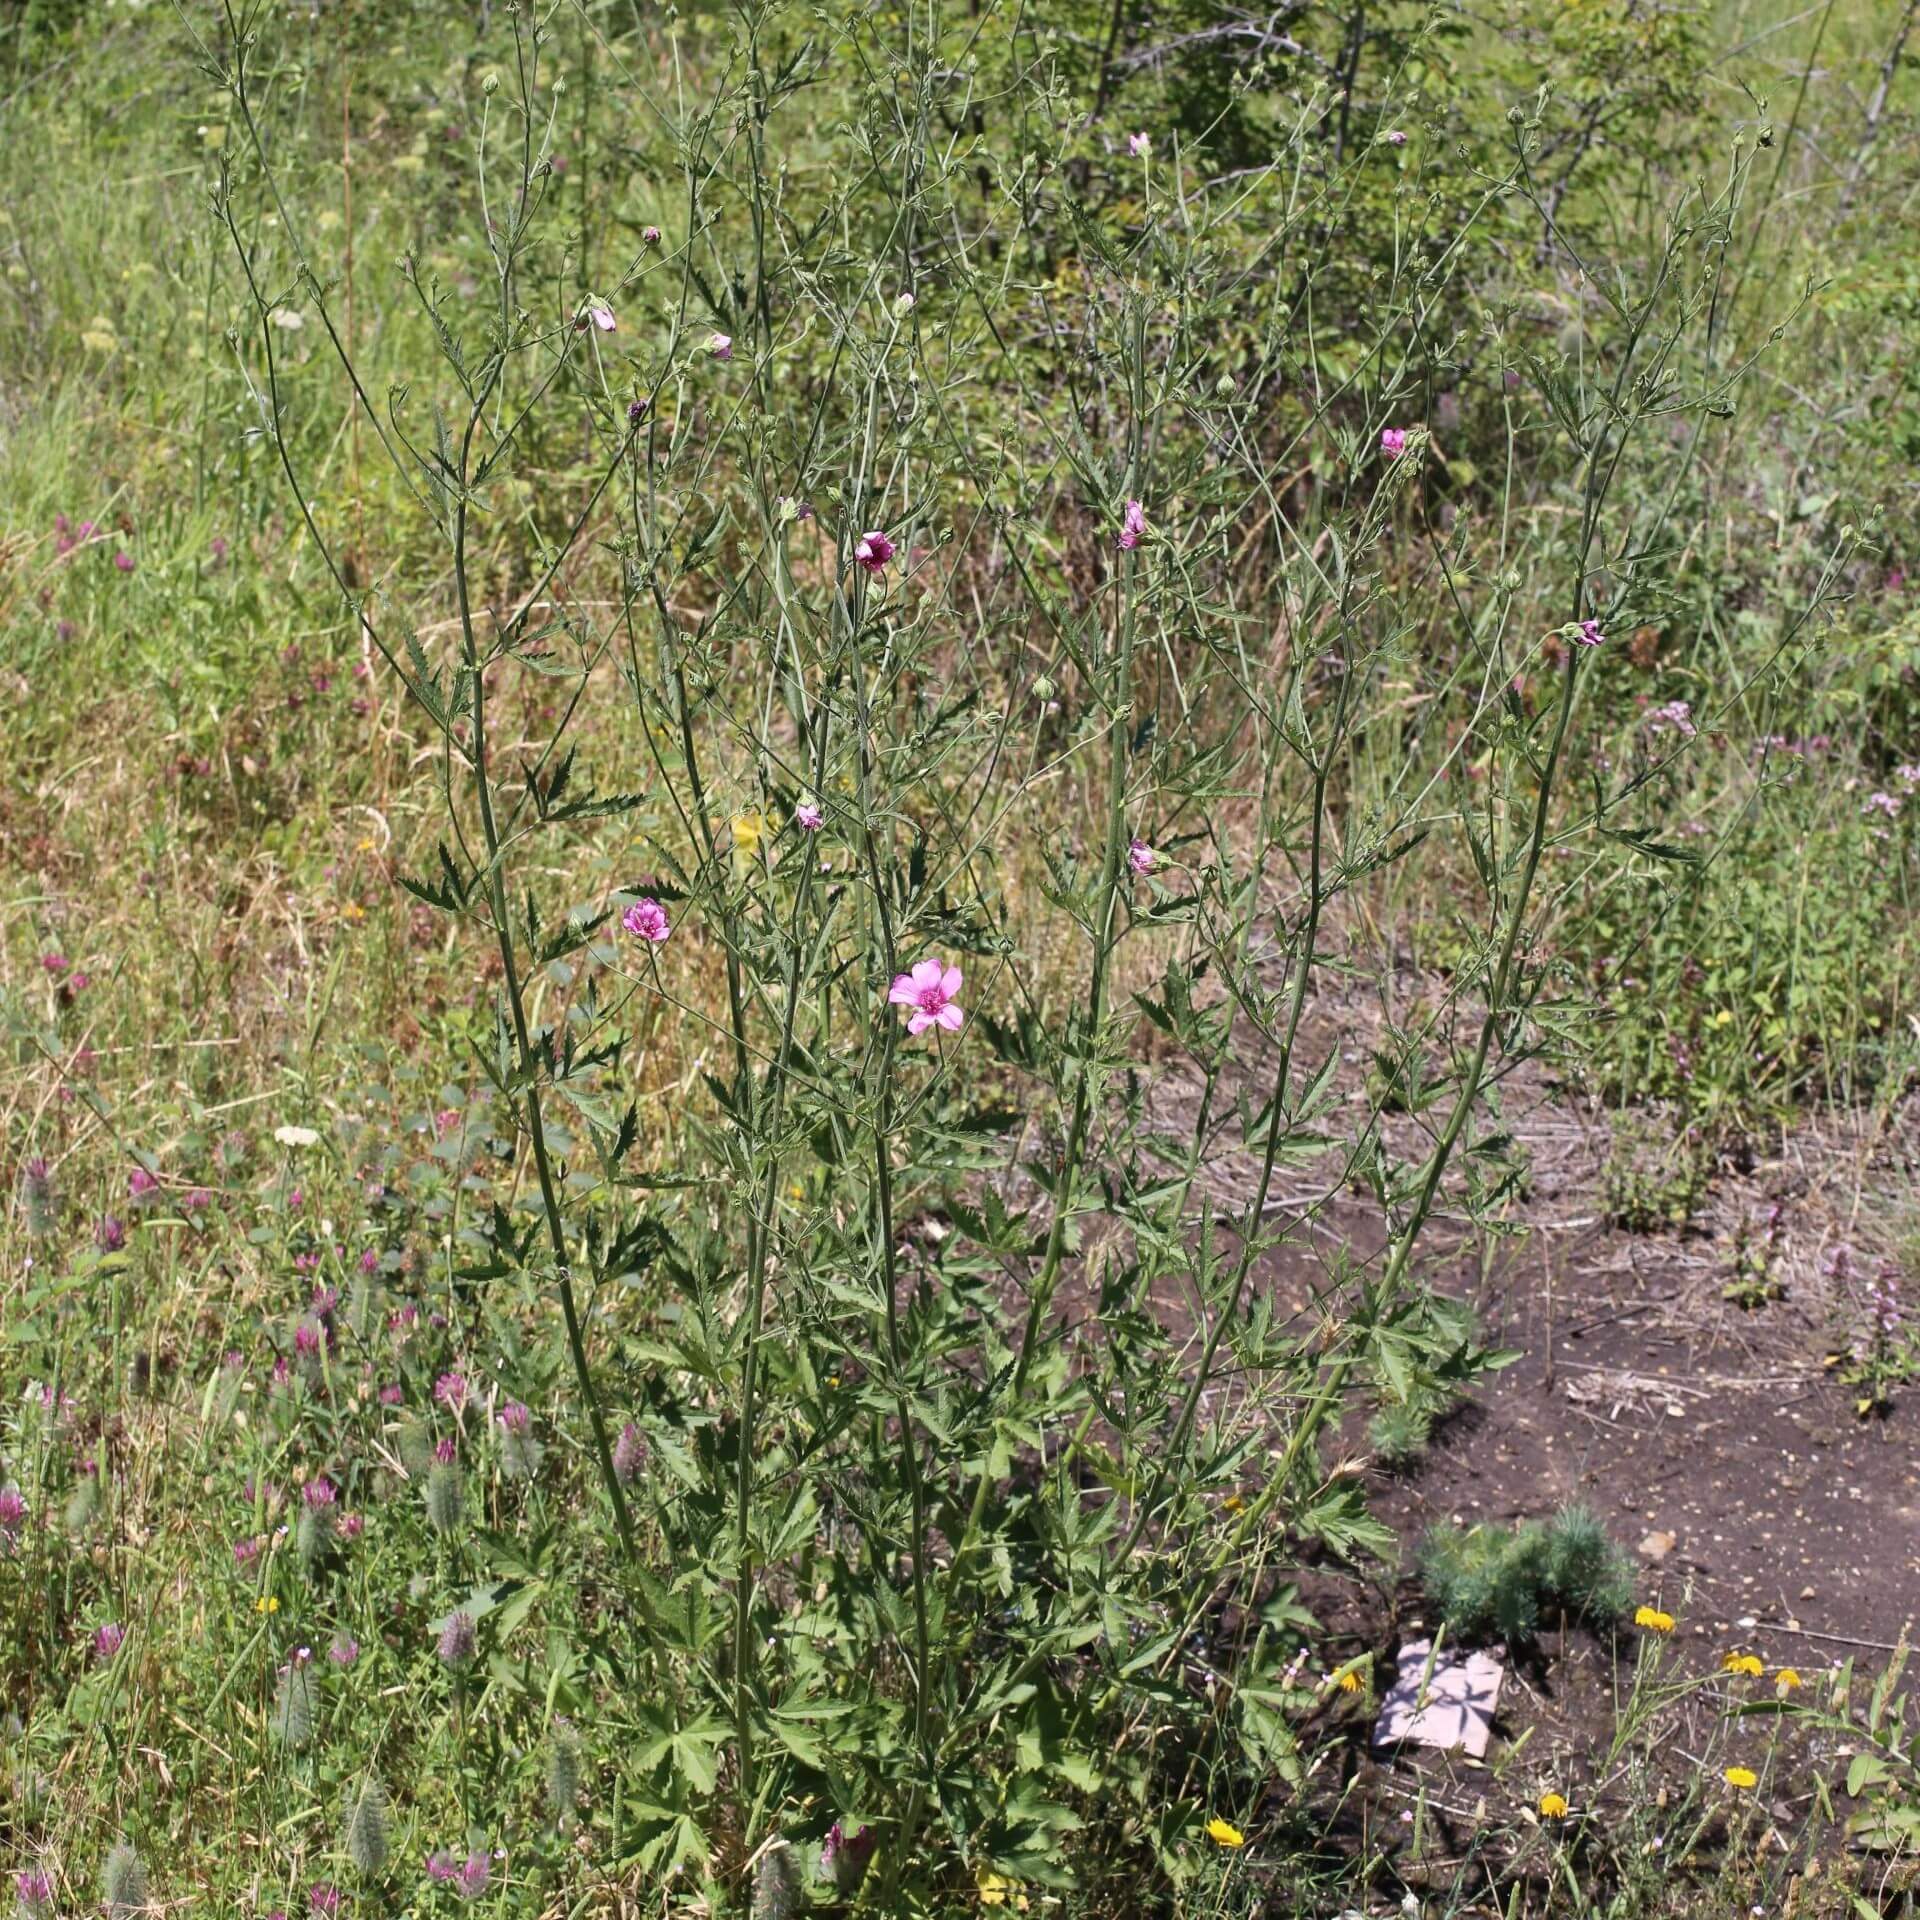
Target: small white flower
296, 1136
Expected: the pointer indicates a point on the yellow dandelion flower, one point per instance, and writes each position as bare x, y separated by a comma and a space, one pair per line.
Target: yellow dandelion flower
1553, 1806
1785, 1681
1653, 1620
1741, 1779
1745, 1663
1233, 1504
1349, 1682
1223, 1833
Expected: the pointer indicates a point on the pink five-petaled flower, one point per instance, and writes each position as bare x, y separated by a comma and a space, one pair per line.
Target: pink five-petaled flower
1393, 441
1133, 526
1139, 856
720, 345
930, 990
1139, 145
806, 816
1589, 634
873, 550
602, 316
646, 920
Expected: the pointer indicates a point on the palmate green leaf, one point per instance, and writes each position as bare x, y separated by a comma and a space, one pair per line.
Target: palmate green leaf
669, 1840
1339, 1520
814, 1729
690, 1750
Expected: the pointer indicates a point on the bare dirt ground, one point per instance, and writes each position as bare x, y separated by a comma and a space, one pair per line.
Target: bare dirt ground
1714, 1440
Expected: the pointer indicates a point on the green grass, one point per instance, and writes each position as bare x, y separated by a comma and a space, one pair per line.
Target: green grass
864, 1474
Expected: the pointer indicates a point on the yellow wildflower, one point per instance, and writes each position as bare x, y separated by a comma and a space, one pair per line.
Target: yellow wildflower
1553, 1806
1741, 1778
1223, 1833
749, 829
1746, 1663
1233, 1504
996, 1890
1349, 1681
1653, 1620
1785, 1681
266, 1604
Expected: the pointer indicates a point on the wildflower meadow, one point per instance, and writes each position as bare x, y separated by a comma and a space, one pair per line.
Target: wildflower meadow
956, 957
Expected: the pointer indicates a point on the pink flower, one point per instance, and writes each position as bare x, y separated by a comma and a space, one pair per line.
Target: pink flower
108, 1640
451, 1390
1882, 803
1676, 716
1139, 856
647, 920
1133, 526
720, 345
1139, 145
319, 1494
649, 236
806, 816
1393, 441
1589, 634
930, 990
141, 1184
123, 560
13, 1516
873, 551
344, 1651
1396, 138
602, 316
515, 1418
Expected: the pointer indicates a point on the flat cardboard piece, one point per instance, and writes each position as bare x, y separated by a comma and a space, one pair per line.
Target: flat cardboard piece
1450, 1709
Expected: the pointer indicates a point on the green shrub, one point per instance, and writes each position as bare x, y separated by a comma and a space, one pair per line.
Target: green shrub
1507, 1583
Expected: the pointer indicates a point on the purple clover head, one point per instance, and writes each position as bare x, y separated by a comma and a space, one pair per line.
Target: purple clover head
458, 1640
629, 1454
